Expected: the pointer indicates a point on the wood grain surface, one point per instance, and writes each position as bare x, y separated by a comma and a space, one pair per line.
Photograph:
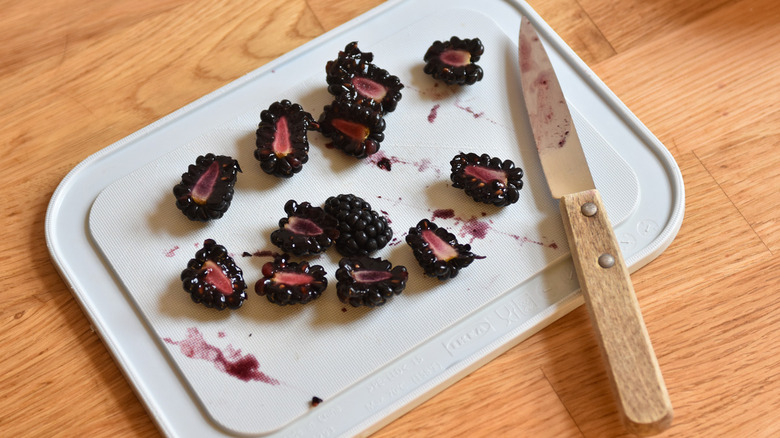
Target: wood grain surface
630, 363
703, 75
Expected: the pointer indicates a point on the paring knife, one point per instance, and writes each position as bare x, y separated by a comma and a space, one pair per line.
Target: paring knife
633, 369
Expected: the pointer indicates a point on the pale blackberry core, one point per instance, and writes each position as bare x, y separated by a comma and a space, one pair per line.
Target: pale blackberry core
355, 129
487, 179
282, 141
366, 281
353, 77
206, 189
285, 282
213, 278
454, 61
306, 229
437, 250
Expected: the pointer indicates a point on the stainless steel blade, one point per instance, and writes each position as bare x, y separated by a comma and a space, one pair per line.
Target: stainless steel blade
560, 151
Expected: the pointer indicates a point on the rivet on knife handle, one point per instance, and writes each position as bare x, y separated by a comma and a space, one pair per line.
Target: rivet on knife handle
633, 369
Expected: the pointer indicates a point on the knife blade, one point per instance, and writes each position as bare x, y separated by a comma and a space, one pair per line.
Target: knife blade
631, 364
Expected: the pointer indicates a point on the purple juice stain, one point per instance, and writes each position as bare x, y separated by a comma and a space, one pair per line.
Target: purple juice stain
478, 229
471, 111
475, 228
443, 213
425, 164
468, 109
434, 92
385, 164
525, 239
434, 113
241, 366
382, 161
171, 252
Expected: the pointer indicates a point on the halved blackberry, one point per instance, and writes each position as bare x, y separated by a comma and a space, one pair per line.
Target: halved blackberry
282, 143
366, 281
437, 250
453, 61
306, 229
487, 179
286, 282
206, 189
353, 77
355, 129
213, 278
361, 229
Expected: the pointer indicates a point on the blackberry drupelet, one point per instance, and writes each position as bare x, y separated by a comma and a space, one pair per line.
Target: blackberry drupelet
487, 179
366, 281
361, 229
355, 129
353, 77
437, 250
206, 189
286, 282
306, 229
282, 142
214, 279
453, 61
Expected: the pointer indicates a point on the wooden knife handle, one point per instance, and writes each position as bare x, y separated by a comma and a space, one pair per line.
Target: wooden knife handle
633, 369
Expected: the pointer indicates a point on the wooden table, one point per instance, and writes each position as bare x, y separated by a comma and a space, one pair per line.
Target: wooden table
703, 75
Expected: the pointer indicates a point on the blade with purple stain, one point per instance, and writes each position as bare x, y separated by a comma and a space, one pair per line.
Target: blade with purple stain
560, 151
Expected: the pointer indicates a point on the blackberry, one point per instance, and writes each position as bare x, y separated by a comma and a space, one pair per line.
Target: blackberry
437, 250
361, 229
282, 143
213, 278
366, 281
206, 189
353, 77
487, 179
355, 129
305, 230
453, 61
286, 282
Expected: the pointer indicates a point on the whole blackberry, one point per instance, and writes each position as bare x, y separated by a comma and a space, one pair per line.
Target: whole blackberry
353, 77
282, 143
361, 229
286, 282
487, 179
206, 189
355, 129
306, 229
366, 281
437, 250
213, 278
453, 61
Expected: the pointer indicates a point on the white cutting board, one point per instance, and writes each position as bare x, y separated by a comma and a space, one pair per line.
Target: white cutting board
367, 364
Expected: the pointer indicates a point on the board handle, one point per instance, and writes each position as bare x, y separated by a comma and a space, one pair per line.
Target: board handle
631, 364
